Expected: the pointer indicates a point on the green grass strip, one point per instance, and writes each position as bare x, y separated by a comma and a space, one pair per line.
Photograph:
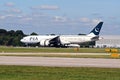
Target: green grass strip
57, 73
50, 50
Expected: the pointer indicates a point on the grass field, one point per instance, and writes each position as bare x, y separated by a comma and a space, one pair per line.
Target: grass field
56, 50
68, 55
57, 73
72, 52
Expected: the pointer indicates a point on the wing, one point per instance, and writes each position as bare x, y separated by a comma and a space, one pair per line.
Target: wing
55, 41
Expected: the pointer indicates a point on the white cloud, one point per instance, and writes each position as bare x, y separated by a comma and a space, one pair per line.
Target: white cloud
59, 19
13, 10
39, 14
16, 10
46, 7
2, 17
112, 17
6, 16
27, 19
87, 20
84, 19
96, 21
9, 4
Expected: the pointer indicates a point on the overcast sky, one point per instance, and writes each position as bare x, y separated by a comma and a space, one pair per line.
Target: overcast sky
60, 16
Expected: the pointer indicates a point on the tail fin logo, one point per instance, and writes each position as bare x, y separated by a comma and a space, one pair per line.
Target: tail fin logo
97, 29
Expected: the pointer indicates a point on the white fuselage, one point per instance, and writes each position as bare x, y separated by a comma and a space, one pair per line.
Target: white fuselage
74, 39
36, 38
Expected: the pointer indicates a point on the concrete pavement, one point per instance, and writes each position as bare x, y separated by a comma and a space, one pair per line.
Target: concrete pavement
60, 62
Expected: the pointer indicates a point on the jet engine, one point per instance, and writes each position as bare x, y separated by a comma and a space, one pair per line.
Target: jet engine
44, 43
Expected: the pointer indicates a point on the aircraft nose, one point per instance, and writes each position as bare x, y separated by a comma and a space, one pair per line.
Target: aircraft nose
21, 40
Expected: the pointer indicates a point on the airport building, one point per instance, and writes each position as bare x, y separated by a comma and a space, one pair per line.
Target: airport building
109, 41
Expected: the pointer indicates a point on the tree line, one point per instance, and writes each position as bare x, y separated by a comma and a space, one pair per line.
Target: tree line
11, 38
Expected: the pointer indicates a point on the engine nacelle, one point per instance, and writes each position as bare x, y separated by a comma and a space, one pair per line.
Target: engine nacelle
44, 43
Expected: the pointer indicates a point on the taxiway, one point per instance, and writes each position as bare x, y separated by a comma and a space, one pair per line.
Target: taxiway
59, 62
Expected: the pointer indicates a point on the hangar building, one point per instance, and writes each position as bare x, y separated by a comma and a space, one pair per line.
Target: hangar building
109, 41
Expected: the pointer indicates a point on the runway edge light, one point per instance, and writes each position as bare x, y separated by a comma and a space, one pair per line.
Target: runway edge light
115, 55
114, 52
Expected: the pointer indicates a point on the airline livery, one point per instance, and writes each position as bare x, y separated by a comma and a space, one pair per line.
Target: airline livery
63, 40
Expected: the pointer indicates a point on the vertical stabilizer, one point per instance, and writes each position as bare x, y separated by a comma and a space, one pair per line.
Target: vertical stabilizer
96, 30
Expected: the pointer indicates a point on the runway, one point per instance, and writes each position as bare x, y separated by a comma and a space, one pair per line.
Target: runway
60, 62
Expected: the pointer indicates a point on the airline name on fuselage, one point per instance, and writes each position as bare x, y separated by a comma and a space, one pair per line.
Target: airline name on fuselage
33, 38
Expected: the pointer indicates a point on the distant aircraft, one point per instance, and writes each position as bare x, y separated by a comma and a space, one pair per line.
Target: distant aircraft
63, 40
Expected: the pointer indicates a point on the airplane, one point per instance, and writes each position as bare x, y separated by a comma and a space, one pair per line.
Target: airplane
63, 40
